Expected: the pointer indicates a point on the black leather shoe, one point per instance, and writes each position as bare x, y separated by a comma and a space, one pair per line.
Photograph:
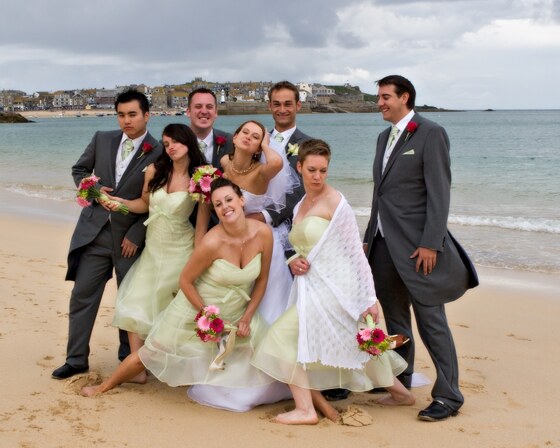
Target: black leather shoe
437, 411
66, 371
335, 394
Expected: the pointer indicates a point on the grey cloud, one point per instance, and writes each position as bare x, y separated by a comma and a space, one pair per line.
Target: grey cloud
350, 40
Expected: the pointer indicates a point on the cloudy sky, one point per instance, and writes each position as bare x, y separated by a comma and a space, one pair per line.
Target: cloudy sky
468, 54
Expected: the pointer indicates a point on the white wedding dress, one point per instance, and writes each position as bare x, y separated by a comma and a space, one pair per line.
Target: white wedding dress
272, 306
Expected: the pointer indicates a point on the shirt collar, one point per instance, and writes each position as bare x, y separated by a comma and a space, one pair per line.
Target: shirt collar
404, 121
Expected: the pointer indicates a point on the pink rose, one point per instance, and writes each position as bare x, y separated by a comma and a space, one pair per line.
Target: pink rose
374, 351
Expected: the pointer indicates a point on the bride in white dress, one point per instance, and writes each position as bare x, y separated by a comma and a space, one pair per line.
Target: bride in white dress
265, 176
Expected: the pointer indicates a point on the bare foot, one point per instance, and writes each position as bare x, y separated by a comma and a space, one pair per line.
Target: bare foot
141, 378
90, 391
388, 400
297, 417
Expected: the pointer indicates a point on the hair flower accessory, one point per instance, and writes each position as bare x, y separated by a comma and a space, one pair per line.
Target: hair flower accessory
199, 185
410, 129
293, 149
87, 192
146, 148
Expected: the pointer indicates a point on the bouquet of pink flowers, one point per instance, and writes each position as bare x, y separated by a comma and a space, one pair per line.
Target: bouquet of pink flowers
373, 339
199, 185
209, 326
87, 192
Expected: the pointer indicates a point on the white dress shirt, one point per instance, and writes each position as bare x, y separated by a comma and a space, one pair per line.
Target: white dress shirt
401, 125
121, 165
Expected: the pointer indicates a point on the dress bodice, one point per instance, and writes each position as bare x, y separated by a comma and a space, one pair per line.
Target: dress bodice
305, 234
253, 202
223, 276
172, 208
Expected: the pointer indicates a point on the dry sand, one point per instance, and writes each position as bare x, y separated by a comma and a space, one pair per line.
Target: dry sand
505, 331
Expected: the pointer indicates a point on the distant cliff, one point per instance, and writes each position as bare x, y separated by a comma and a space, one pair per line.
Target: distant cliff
10, 117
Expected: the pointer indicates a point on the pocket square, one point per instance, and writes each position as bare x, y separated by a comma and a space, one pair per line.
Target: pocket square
410, 152
145, 169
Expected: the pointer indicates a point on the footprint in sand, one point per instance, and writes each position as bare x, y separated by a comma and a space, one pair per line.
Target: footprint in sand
519, 338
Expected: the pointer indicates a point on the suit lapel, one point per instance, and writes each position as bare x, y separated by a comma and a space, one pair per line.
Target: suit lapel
137, 158
115, 142
399, 148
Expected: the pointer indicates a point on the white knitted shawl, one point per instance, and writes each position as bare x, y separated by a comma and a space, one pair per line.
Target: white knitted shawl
337, 288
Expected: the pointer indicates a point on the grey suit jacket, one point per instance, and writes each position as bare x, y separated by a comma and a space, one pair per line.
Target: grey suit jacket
412, 197
99, 158
294, 197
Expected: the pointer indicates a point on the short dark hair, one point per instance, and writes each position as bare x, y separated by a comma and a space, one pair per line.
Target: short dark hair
220, 182
314, 147
128, 95
202, 90
402, 85
283, 85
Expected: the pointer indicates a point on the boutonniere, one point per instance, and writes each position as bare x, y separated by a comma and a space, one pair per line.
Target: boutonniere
220, 140
410, 129
146, 148
293, 149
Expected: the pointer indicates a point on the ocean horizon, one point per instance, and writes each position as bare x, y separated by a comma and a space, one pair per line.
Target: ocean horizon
505, 197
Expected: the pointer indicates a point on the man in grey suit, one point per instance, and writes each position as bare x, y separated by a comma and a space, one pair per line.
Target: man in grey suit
284, 104
415, 260
202, 112
103, 241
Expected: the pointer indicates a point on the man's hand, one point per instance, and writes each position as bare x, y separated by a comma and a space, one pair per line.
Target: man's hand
128, 248
426, 257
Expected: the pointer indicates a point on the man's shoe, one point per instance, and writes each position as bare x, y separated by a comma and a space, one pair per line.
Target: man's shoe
436, 412
66, 371
335, 394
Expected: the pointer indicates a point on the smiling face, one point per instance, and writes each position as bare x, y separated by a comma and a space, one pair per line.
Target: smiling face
392, 107
228, 205
131, 119
314, 170
202, 112
284, 107
249, 137
174, 149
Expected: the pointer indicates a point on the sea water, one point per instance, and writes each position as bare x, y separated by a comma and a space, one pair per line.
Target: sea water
505, 197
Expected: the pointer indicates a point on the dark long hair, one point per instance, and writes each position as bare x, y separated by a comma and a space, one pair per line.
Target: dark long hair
163, 164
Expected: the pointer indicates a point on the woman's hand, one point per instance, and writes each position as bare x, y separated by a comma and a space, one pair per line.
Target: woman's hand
374, 311
299, 266
243, 328
266, 141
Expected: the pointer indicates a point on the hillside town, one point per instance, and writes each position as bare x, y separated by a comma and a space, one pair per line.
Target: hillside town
233, 97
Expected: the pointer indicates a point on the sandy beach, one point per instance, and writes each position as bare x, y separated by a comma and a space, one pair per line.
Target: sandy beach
504, 330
